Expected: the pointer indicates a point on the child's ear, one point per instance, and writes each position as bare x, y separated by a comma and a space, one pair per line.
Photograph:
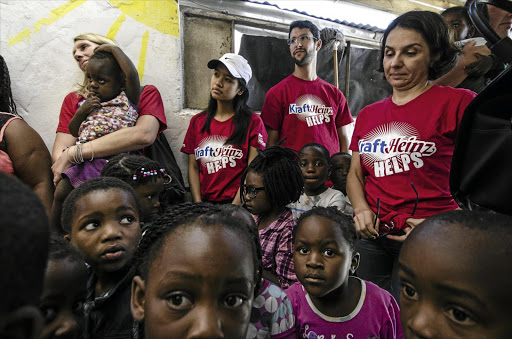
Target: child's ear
67, 237
471, 32
25, 322
138, 299
355, 262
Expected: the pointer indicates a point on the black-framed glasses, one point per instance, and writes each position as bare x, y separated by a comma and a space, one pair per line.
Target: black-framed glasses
301, 39
251, 191
390, 228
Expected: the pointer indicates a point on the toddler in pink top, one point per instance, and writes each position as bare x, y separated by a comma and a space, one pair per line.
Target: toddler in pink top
328, 302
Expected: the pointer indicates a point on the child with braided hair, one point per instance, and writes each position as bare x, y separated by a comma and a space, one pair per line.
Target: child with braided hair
146, 177
272, 181
197, 272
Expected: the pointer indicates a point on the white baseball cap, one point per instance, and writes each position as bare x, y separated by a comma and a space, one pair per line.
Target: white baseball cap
236, 65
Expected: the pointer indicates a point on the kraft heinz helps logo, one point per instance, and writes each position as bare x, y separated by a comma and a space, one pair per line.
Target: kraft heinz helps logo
394, 148
214, 155
311, 109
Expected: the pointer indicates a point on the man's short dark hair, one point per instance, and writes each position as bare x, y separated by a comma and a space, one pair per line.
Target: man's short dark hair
305, 24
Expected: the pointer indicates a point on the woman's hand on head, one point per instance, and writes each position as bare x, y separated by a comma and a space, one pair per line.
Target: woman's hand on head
364, 220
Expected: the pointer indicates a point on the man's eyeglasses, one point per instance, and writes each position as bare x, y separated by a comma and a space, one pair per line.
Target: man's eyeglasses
390, 228
302, 39
251, 191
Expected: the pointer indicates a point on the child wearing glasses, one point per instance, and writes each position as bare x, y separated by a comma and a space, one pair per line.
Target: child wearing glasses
273, 180
314, 164
224, 139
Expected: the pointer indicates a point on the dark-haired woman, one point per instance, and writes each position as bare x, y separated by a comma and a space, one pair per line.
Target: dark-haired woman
403, 145
22, 151
224, 139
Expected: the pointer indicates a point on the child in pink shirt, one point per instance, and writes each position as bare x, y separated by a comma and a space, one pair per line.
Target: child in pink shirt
328, 302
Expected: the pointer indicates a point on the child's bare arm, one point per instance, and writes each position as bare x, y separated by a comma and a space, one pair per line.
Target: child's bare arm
132, 76
82, 113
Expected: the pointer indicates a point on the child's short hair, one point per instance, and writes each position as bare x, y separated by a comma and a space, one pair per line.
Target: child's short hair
487, 222
23, 244
60, 249
342, 221
459, 11
342, 154
96, 184
115, 67
280, 173
187, 214
323, 150
133, 169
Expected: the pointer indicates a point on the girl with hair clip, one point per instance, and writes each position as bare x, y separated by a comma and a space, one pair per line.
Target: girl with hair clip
146, 177
270, 183
224, 139
22, 151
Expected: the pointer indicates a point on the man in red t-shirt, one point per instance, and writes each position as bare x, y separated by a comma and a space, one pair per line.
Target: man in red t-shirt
304, 108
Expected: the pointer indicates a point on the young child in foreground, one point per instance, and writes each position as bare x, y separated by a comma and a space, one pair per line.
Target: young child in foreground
64, 292
339, 167
271, 313
23, 252
314, 164
112, 104
146, 177
273, 180
197, 272
456, 271
328, 302
101, 217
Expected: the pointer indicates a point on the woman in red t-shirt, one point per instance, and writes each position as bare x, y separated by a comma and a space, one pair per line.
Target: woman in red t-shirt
151, 121
403, 145
224, 139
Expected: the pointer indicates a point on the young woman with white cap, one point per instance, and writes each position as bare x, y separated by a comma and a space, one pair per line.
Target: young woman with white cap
224, 139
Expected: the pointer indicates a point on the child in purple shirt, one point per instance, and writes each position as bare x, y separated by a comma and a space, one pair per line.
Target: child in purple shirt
328, 303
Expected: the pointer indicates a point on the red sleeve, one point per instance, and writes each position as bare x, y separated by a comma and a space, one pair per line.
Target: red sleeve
271, 112
151, 104
257, 133
189, 143
343, 117
67, 111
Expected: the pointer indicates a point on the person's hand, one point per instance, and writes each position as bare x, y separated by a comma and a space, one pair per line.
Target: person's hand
470, 53
412, 222
90, 104
61, 165
105, 48
479, 67
363, 220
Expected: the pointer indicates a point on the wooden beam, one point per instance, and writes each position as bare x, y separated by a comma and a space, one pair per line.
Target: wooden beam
402, 6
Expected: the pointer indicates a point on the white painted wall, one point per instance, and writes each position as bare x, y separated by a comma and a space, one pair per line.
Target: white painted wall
43, 70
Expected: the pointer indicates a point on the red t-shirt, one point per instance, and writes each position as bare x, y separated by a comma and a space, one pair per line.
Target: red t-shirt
306, 111
411, 143
220, 165
150, 103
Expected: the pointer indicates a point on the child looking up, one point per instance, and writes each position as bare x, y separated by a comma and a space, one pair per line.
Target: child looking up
146, 177
339, 167
224, 139
314, 164
64, 292
107, 109
271, 313
328, 302
101, 217
455, 271
272, 181
197, 271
